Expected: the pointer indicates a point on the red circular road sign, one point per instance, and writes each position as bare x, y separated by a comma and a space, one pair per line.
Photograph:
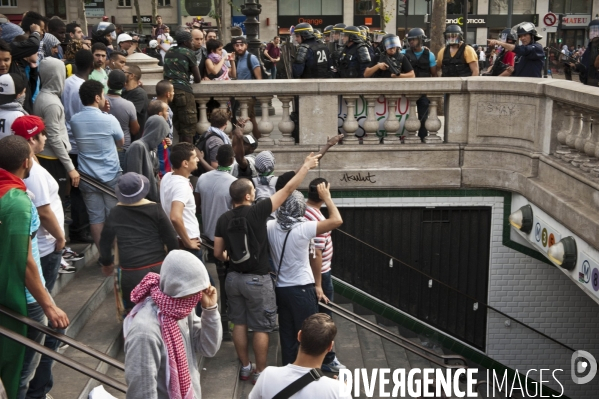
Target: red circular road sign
550, 19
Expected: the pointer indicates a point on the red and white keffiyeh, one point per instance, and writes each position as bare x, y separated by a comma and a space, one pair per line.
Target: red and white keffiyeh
170, 311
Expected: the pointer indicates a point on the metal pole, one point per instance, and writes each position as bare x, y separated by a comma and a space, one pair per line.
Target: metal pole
465, 22
406, 20
510, 11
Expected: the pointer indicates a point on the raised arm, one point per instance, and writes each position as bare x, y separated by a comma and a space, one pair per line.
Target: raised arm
280, 196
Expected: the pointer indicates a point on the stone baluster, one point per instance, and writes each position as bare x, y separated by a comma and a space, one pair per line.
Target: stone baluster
371, 125
286, 125
581, 139
203, 125
433, 123
567, 126
591, 147
265, 125
223, 101
572, 135
351, 124
412, 124
392, 123
243, 106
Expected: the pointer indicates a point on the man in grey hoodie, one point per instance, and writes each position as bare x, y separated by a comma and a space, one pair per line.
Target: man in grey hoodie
141, 156
183, 281
48, 106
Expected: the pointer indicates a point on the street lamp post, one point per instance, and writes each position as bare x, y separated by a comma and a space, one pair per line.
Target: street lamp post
251, 9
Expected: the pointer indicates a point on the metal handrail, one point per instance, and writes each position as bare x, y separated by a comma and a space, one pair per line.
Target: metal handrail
64, 338
63, 359
367, 326
445, 358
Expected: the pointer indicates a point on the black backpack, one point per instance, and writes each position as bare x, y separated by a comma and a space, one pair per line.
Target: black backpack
201, 141
242, 243
265, 73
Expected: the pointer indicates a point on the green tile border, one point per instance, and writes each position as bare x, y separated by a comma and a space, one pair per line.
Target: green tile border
384, 310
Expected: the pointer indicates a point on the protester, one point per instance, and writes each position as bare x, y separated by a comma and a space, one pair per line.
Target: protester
165, 93
153, 52
117, 60
273, 53
141, 155
163, 337
198, 46
99, 73
125, 43
5, 58
177, 199
24, 62
215, 64
13, 90
179, 65
250, 293
137, 95
58, 29
74, 31
144, 235
96, 134
158, 29
165, 41
20, 267
244, 146
8, 30
50, 46
50, 235
123, 110
215, 135
316, 338
48, 105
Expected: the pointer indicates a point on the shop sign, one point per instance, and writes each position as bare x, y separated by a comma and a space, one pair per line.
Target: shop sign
95, 9
573, 20
473, 20
317, 21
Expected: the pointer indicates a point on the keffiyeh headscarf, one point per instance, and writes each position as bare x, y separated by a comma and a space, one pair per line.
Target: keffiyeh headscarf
50, 41
265, 163
170, 311
292, 211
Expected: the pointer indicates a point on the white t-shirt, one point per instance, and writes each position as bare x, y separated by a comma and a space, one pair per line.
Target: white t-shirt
274, 379
166, 42
178, 188
6, 120
45, 191
295, 269
482, 56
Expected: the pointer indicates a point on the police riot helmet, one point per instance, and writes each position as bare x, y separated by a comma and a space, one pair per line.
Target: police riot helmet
102, 29
417, 33
453, 35
594, 29
507, 36
305, 30
390, 41
328, 29
526, 28
317, 34
352, 33
377, 36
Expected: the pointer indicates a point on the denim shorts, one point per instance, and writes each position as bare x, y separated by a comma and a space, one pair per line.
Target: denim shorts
97, 202
251, 300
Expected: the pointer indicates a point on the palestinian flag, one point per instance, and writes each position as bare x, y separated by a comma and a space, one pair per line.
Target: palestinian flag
15, 225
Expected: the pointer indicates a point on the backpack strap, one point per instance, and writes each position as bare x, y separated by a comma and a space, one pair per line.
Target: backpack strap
249, 61
299, 384
277, 277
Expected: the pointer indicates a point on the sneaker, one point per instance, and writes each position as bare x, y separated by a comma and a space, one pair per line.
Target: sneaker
66, 267
333, 367
48, 396
69, 254
255, 377
244, 373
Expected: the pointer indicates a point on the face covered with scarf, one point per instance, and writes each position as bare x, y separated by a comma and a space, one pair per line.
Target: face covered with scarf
176, 292
292, 211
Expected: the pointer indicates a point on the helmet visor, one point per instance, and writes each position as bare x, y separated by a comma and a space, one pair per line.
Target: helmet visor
377, 37
452, 38
343, 38
593, 31
391, 42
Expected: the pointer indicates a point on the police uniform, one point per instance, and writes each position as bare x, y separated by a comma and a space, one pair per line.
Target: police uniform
353, 61
456, 65
398, 59
422, 69
312, 61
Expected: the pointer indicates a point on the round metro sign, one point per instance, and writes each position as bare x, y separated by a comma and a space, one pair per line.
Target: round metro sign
550, 19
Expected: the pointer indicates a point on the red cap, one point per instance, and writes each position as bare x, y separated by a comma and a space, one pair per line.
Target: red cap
104, 18
28, 126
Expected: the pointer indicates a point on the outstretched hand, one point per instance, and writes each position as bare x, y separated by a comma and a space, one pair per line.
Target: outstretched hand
312, 160
334, 140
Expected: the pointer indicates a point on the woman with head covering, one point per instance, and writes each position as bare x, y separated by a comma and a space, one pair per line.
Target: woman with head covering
298, 283
50, 45
142, 231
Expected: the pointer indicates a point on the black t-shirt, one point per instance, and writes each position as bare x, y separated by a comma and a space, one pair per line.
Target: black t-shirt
405, 67
256, 216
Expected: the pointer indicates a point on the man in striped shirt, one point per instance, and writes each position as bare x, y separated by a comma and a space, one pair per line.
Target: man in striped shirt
321, 253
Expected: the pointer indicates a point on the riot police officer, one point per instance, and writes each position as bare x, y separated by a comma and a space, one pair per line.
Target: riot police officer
336, 43
354, 58
313, 60
457, 58
390, 64
377, 39
505, 59
589, 62
425, 66
529, 55
104, 32
318, 36
327, 34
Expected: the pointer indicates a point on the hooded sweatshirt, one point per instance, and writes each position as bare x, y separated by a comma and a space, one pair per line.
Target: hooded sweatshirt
48, 106
146, 360
141, 155
8, 113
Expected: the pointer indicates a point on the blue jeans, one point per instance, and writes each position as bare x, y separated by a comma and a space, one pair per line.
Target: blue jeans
42, 382
273, 72
295, 305
327, 289
32, 358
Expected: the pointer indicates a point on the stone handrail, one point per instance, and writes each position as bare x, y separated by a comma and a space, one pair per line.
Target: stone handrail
536, 137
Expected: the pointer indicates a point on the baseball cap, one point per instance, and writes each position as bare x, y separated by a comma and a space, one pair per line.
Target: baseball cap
116, 79
28, 126
123, 37
3, 20
249, 139
239, 39
153, 43
11, 84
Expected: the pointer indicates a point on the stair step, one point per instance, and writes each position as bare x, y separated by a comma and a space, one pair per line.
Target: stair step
373, 353
219, 373
117, 374
397, 357
82, 296
103, 333
347, 344
90, 254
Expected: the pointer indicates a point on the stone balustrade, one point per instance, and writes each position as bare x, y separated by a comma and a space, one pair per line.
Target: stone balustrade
535, 137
